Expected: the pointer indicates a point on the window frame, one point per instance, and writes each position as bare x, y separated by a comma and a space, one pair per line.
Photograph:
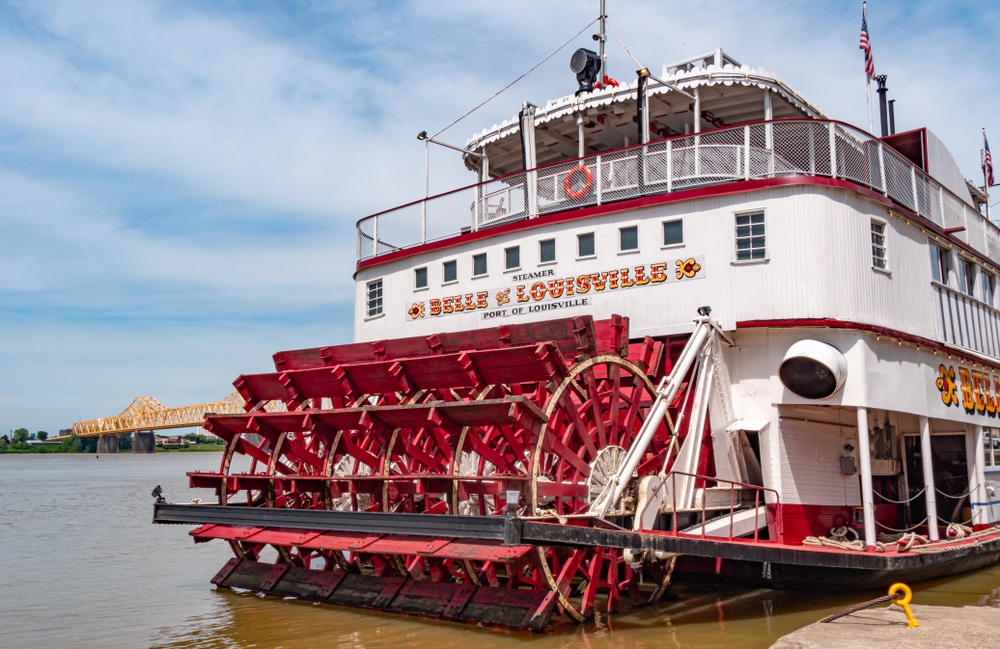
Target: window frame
673, 244
941, 264
374, 304
969, 276
750, 236
507, 266
621, 239
593, 245
475, 259
451, 264
880, 250
417, 286
988, 287
541, 251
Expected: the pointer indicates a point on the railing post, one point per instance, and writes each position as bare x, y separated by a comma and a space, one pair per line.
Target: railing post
746, 152
670, 165
881, 167
833, 150
477, 208
598, 184
375, 235
913, 185
812, 149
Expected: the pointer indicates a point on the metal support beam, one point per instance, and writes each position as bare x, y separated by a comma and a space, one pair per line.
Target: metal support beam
867, 497
930, 495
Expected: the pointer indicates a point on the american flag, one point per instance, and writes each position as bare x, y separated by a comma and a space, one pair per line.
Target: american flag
867, 47
987, 162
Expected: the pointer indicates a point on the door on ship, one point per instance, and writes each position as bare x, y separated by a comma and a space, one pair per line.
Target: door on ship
951, 477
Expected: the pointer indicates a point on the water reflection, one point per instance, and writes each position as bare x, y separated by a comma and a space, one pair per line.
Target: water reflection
703, 616
82, 566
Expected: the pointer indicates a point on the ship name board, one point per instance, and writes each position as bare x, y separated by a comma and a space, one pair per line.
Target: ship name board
976, 392
545, 294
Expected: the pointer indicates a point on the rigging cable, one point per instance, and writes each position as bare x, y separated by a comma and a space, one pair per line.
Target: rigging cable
505, 88
622, 42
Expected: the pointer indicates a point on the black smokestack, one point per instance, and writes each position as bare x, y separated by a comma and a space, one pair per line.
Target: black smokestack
883, 108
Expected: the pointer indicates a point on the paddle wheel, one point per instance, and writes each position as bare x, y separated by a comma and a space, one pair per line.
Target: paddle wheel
526, 420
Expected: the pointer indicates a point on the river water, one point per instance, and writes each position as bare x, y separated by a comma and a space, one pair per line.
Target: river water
81, 565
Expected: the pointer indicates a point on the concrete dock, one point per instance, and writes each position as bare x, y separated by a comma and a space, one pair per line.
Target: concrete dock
885, 627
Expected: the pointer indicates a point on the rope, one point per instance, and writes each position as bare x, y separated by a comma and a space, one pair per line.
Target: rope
962, 495
505, 88
863, 605
622, 42
905, 529
838, 538
899, 502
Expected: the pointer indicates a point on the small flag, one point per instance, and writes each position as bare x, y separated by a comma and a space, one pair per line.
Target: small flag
867, 46
987, 161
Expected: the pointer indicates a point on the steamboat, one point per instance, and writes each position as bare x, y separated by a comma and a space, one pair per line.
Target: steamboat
686, 326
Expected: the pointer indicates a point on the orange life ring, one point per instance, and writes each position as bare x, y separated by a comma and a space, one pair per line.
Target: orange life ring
588, 182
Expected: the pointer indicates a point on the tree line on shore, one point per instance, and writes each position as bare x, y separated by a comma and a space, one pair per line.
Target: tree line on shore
21, 441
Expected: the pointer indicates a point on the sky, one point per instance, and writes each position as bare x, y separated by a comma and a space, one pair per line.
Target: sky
179, 181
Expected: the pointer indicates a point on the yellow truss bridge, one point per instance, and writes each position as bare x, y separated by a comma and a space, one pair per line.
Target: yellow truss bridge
146, 413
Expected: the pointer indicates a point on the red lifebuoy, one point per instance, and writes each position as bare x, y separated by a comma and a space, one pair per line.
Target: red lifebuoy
588, 182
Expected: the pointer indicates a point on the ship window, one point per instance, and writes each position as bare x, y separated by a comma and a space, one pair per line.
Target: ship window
420, 277
374, 290
991, 440
968, 270
628, 238
989, 282
673, 233
879, 259
940, 264
450, 269
512, 257
750, 236
546, 250
585, 245
479, 264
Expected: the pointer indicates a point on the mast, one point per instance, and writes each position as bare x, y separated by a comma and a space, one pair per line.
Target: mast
868, 77
600, 37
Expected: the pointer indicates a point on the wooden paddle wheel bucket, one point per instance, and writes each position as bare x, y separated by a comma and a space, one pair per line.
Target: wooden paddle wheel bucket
527, 418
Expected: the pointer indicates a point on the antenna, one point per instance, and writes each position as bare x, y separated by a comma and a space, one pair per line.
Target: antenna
601, 38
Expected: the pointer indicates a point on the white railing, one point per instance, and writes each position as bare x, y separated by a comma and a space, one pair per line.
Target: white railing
967, 322
754, 151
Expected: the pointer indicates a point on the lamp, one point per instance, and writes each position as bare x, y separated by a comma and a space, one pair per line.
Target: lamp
587, 66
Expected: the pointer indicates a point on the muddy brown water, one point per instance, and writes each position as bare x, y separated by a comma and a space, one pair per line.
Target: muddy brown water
81, 565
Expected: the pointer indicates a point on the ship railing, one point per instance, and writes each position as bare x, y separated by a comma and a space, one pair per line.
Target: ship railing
963, 318
742, 496
762, 150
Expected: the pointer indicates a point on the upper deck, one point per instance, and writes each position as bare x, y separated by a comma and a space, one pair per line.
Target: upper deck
709, 120
756, 151
833, 197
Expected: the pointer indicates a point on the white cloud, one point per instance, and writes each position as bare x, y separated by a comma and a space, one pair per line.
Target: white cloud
179, 183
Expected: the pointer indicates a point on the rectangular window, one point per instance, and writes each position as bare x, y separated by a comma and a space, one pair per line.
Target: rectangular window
750, 236
940, 264
935, 263
450, 269
969, 279
585, 245
479, 264
546, 250
878, 245
628, 238
374, 298
512, 258
989, 282
420, 277
673, 233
